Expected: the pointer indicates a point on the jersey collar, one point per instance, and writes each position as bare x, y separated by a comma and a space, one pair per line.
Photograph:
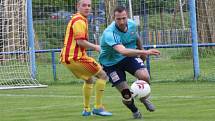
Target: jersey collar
120, 29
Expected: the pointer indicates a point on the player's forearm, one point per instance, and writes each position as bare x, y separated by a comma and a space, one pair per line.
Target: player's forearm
129, 52
133, 52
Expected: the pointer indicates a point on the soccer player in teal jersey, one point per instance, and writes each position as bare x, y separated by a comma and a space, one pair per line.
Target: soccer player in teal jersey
121, 52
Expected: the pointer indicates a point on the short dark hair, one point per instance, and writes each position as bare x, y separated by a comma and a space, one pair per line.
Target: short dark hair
119, 9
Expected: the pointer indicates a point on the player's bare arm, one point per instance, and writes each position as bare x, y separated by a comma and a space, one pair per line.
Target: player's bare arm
153, 52
127, 52
86, 44
134, 52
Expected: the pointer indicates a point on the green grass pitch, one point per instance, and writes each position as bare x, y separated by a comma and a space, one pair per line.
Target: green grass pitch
189, 101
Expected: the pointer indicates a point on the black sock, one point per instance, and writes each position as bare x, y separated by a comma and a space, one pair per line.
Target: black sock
130, 105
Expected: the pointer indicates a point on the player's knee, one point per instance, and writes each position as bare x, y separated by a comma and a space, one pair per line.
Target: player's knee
126, 95
102, 75
145, 78
89, 81
142, 74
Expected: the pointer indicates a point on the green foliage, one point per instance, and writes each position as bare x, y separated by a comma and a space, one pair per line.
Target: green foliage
51, 33
207, 52
183, 53
187, 53
57, 3
154, 6
155, 22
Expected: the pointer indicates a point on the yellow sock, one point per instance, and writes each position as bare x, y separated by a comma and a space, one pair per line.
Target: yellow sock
87, 92
100, 86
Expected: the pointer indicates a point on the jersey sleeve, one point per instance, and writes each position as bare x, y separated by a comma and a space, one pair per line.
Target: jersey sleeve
112, 38
80, 30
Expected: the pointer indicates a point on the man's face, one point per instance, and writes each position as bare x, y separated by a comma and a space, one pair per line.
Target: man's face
84, 7
121, 19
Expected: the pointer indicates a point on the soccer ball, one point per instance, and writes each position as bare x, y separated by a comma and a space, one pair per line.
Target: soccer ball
140, 89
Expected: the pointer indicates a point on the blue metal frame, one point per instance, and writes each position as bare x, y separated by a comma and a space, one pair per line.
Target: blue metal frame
146, 47
145, 34
192, 9
54, 65
31, 38
53, 51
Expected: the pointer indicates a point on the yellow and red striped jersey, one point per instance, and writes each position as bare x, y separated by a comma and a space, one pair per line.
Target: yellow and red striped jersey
77, 29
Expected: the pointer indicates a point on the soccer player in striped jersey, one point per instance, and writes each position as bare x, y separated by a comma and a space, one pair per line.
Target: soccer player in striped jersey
121, 50
75, 58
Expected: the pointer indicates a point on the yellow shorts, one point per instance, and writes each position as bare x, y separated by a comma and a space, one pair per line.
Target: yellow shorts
83, 68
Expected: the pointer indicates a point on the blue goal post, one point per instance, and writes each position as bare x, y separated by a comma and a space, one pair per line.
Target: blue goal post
30, 33
194, 34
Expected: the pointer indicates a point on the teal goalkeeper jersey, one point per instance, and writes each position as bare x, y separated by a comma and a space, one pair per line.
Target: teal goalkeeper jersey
113, 36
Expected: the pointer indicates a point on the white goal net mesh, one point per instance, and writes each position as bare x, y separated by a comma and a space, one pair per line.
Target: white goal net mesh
15, 70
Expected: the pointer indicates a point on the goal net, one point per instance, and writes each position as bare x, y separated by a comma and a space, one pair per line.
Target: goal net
15, 69
167, 25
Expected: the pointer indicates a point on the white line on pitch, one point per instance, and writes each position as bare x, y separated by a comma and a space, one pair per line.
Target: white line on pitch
75, 96
42, 107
